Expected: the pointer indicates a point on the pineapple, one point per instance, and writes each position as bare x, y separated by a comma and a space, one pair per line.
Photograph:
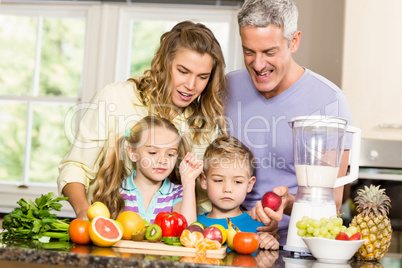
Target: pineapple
372, 205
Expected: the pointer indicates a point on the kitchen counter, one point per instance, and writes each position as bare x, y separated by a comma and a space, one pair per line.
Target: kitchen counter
20, 254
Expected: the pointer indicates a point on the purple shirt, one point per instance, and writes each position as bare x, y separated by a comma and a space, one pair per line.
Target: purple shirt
263, 125
164, 199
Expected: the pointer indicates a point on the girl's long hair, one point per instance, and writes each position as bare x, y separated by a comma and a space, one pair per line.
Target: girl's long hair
113, 170
155, 86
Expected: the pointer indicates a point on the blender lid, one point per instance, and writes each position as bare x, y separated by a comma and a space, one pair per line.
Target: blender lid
323, 118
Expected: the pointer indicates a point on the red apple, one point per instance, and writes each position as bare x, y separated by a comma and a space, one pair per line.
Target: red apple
271, 200
195, 228
213, 233
356, 236
342, 236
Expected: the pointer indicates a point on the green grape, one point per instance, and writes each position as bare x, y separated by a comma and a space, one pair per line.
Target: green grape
336, 230
306, 219
301, 224
352, 229
310, 229
343, 228
316, 232
323, 221
337, 221
330, 226
308, 235
323, 230
316, 223
301, 232
328, 235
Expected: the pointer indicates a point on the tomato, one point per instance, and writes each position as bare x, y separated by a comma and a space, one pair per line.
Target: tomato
172, 224
245, 242
80, 249
79, 231
245, 260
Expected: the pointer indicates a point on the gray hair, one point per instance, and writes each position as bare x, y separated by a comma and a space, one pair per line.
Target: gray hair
261, 13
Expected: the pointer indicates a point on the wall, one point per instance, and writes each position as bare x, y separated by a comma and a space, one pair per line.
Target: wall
321, 23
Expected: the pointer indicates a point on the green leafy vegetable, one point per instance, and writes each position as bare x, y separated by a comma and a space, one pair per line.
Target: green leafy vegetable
34, 220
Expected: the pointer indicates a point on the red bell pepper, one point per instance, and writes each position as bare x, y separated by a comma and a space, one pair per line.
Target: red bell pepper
172, 224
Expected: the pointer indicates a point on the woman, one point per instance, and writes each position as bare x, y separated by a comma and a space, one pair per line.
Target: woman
186, 85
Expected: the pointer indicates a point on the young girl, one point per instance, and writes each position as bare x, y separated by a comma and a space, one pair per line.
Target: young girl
154, 146
186, 85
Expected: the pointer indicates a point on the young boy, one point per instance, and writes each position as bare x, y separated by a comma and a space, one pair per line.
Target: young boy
228, 169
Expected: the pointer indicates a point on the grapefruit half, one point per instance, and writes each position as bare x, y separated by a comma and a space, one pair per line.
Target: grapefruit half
104, 232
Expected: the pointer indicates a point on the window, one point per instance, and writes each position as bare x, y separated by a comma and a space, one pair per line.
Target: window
41, 62
54, 57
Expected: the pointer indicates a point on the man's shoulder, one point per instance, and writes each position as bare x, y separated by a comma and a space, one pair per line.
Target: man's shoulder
313, 77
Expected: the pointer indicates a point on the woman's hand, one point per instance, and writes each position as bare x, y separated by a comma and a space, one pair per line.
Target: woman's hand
190, 168
267, 215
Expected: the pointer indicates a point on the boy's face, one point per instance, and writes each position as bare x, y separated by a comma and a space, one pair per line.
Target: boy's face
227, 185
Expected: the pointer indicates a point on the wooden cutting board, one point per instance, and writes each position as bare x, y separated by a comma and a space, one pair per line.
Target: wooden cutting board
159, 248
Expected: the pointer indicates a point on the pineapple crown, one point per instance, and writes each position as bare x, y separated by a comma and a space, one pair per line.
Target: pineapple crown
372, 199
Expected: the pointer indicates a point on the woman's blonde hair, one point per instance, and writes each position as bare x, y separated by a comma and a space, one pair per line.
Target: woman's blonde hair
113, 171
155, 86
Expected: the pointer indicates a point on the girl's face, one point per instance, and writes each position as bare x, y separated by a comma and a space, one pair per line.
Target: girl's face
190, 73
156, 154
227, 185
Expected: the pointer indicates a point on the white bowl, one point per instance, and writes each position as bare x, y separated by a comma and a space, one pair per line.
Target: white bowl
331, 250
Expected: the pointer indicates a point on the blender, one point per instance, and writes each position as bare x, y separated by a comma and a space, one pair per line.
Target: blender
318, 145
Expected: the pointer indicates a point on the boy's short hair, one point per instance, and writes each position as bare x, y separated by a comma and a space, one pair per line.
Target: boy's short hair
224, 150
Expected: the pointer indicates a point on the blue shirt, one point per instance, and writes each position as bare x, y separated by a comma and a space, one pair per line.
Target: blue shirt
244, 222
164, 199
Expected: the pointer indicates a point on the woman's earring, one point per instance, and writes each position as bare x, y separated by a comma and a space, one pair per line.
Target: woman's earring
199, 99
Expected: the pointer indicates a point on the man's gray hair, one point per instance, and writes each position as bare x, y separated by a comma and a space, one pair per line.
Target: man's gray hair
261, 13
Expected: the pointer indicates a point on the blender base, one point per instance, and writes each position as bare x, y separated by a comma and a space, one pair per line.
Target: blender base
296, 250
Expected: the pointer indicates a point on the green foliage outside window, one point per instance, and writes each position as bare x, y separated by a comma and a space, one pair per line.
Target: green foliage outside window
59, 74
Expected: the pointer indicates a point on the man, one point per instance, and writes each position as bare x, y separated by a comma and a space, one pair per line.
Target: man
266, 95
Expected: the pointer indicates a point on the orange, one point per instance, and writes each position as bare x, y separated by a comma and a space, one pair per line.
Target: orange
98, 209
131, 222
104, 232
190, 239
206, 244
202, 259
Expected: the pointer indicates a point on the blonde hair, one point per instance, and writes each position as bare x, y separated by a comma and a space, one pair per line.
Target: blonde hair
113, 171
155, 86
228, 148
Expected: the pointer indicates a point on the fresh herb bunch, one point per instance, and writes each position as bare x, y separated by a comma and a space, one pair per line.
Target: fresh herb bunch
35, 220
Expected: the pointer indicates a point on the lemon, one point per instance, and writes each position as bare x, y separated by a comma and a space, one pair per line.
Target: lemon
98, 209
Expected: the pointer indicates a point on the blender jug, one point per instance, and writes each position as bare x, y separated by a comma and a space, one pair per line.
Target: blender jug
318, 145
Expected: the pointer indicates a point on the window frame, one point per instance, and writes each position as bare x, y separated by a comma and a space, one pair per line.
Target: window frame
105, 54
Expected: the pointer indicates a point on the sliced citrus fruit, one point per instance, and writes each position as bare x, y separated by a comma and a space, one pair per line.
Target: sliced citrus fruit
190, 239
202, 259
131, 221
97, 209
206, 244
104, 232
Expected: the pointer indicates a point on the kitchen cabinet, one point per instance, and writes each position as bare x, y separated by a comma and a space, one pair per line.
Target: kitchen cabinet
371, 67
